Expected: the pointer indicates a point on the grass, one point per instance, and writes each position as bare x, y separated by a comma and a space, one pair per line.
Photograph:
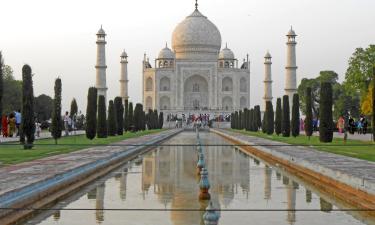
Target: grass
353, 148
13, 153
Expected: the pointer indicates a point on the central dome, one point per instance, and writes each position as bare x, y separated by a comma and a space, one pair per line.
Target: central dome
196, 38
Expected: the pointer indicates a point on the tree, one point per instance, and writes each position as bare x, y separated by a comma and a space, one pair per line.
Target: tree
43, 107
264, 122
285, 122
250, 117
28, 122
258, 117
12, 94
126, 116
119, 109
359, 73
1, 84
102, 129
161, 120
270, 127
73, 108
247, 119
56, 125
91, 113
138, 117
295, 116
112, 127
326, 121
236, 122
130, 118
278, 118
232, 120
309, 114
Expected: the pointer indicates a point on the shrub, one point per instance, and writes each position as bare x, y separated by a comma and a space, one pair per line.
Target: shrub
56, 123
295, 116
102, 130
28, 122
309, 114
326, 120
285, 123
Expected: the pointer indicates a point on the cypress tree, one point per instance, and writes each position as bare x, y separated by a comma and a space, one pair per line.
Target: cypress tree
247, 119
102, 130
270, 118
1, 85
231, 120
295, 116
161, 120
137, 118
251, 119
112, 127
91, 113
240, 120
126, 116
326, 121
285, 122
28, 122
130, 117
309, 114
264, 122
56, 125
236, 122
257, 118
278, 117
119, 109
155, 119
73, 108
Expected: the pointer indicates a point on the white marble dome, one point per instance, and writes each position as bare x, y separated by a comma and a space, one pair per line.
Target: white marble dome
196, 36
166, 53
226, 53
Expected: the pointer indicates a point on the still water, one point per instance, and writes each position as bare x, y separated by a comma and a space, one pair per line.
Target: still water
166, 178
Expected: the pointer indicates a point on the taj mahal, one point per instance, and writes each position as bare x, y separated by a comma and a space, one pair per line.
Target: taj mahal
197, 74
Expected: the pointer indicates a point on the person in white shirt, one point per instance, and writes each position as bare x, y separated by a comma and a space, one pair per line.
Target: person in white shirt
66, 123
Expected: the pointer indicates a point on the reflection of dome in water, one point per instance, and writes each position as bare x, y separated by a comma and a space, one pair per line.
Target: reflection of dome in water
196, 34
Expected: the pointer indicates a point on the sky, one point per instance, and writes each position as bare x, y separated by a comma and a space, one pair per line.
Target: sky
57, 38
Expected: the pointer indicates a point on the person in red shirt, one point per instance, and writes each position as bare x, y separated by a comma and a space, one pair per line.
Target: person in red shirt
4, 125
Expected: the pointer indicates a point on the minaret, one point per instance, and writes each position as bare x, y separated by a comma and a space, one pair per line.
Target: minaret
124, 77
101, 67
291, 66
267, 79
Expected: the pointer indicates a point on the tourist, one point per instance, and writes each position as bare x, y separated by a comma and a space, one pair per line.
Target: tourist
351, 125
341, 124
66, 123
4, 125
359, 127
38, 128
12, 124
18, 116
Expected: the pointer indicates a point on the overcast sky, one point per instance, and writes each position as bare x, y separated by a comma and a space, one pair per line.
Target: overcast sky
57, 38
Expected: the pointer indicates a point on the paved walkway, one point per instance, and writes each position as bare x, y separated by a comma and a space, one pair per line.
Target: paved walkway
43, 135
354, 172
20, 178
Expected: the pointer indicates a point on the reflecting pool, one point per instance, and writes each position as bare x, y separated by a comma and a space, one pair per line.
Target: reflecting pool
166, 178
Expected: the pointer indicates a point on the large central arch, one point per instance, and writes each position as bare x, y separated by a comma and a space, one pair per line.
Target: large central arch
196, 93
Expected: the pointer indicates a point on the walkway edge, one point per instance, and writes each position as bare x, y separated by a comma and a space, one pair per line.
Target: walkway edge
26, 196
362, 188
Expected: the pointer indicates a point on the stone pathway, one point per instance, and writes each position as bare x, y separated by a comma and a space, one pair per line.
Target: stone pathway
354, 172
43, 135
17, 178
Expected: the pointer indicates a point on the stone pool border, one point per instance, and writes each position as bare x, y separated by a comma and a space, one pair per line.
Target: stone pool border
47, 191
347, 186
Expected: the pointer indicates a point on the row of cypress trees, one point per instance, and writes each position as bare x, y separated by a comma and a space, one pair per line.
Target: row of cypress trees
248, 119
282, 124
120, 117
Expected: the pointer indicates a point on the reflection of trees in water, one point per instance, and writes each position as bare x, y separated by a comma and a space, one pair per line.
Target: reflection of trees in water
325, 206
267, 182
99, 213
308, 196
57, 215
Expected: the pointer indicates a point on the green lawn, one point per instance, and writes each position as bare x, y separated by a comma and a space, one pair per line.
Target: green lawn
13, 153
352, 148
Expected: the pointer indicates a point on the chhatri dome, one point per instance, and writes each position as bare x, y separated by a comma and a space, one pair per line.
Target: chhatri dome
166, 53
196, 36
226, 53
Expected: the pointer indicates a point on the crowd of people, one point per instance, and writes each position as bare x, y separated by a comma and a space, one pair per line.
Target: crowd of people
10, 124
352, 126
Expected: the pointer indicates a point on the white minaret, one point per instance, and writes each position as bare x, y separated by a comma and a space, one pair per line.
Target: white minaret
124, 77
291, 66
267, 79
101, 67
